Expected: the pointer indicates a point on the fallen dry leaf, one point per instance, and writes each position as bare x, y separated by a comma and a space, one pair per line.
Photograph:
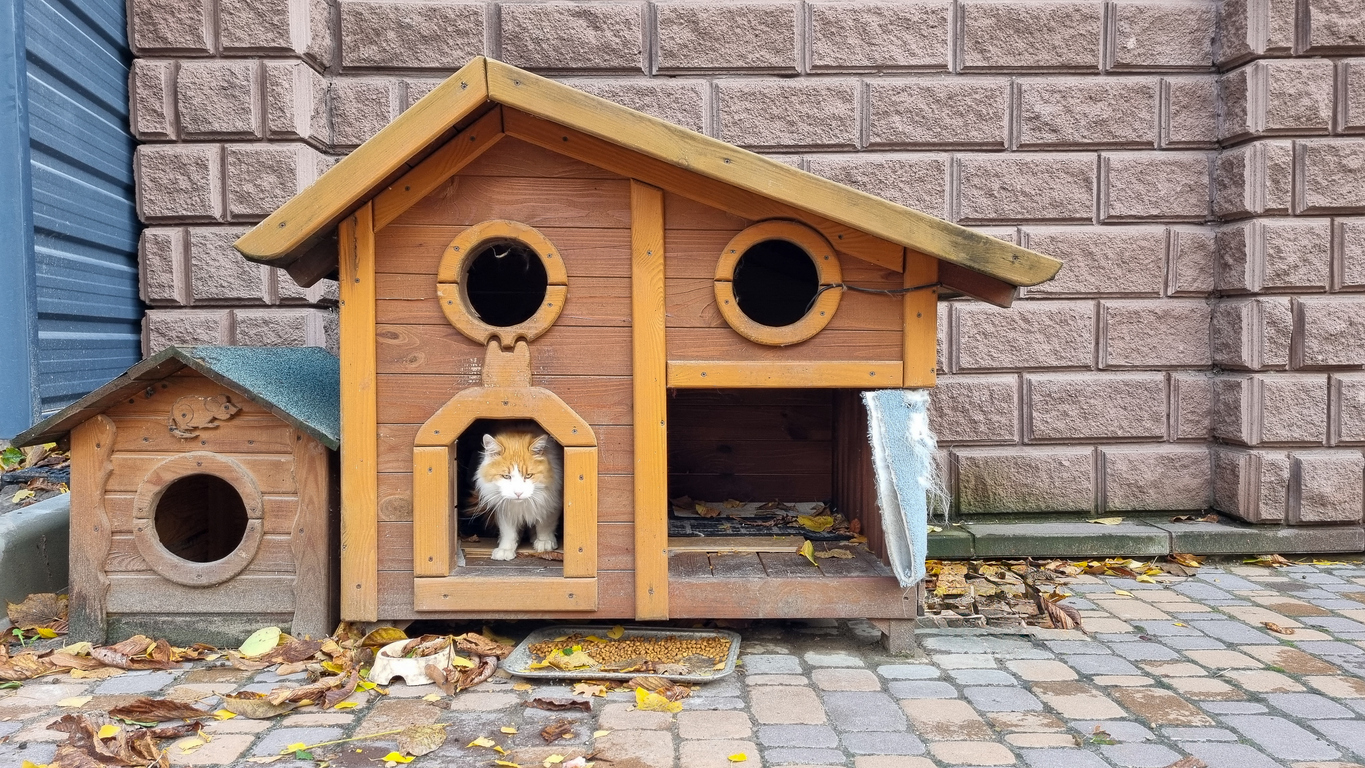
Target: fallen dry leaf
418, 740
472, 642
808, 549
26, 666
649, 701
147, 709
382, 636
255, 706
648, 682
1277, 629
559, 729
706, 511
1188, 761
589, 690
44, 609
1105, 520
559, 705
94, 738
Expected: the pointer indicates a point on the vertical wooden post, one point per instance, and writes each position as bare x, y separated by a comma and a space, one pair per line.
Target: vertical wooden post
580, 512
310, 543
650, 367
359, 421
92, 446
434, 528
921, 321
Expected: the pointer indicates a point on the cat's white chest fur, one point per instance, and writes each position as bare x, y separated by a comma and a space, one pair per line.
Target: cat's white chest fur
520, 480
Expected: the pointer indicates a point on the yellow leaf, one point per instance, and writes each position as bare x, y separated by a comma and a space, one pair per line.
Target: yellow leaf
935, 529
31, 764
75, 701
294, 748
1179, 624
78, 649
808, 549
223, 714
346, 705
21, 496
432, 697
553, 760
460, 661
1106, 520
535, 665
397, 757
499, 750
46, 633
599, 734
333, 667
816, 523
189, 745
491, 635
738, 757
261, 641
576, 660
648, 701
1123, 592
616, 632
524, 686
1145, 579
508, 729
858, 539
506, 764
482, 741
108, 731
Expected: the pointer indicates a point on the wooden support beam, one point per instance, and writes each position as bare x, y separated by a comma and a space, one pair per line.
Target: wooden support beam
920, 312
693, 374
461, 150
92, 446
434, 528
649, 361
580, 512
359, 417
504, 593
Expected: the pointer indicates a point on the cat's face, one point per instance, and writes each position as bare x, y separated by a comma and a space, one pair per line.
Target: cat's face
515, 464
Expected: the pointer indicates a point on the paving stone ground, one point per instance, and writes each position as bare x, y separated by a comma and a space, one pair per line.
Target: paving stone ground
1180, 667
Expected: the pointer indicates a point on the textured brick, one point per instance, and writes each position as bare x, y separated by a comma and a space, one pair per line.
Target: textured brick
879, 35
1292, 408
261, 177
915, 181
1157, 185
1162, 35
1253, 179
182, 181
431, 35
738, 35
219, 99
185, 327
295, 102
1335, 25
561, 35
263, 26
938, 112
360, 108
1029, 335
218, 274
1252, 334
1090, 267
1156, 478
1024, 35
1348, 254
1330, 175
300, 327
1189, 112
1351, 97
1347, 392
971, 409
162, 267
1232, 409
1087, 406
1234, 32
782, 113
1026, 187
1154, 334
152, 99
1274, 254
1329, 332
1097, 111
681, 102
1326, 486
996, 480
1191, 406
1285, 96
180, 26
1192, 261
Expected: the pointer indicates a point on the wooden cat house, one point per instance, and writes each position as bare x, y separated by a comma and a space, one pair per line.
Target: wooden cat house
204, 501
685, 317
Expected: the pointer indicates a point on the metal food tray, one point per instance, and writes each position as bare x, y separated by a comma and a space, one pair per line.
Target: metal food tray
518, 662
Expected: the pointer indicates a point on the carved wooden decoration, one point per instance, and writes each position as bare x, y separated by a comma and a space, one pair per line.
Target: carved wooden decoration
826, 266
191, 414
454, 268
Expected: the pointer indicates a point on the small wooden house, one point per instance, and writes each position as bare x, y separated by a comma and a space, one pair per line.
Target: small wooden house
683, 316
204, 501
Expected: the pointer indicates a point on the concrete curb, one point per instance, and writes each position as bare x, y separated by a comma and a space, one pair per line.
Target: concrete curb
33, 548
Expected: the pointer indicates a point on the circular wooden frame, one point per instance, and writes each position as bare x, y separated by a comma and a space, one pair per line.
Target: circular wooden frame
454, 267
177, 569
827, 269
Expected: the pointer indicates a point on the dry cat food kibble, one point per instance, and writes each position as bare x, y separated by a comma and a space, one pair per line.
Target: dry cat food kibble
661, 650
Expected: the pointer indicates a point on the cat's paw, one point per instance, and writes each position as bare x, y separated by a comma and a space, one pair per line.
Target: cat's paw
548, 544
504, 553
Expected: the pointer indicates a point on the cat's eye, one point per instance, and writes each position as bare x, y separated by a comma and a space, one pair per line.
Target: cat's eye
506, 477
530, 475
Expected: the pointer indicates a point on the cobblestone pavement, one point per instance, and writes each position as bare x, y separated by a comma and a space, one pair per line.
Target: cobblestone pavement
1181, 667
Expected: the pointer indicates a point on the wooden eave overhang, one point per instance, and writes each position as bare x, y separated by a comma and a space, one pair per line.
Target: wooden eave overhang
298, 236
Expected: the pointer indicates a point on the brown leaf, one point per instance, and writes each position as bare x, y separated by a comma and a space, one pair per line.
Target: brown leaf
255, 706
418, 740
1189, 561
1277, 629
339, 694
311, 692
590, 690
648, 682
441, 678
542, 555
292, 652
26, 666
559, 729
129, 746
69, 756
480, 672
675, 692
156, 710
706, 511
559, 705
1188, 761
137, 652
72, 661
473, 642
44, 609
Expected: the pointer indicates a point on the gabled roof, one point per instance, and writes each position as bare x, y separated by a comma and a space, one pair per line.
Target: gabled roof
301, 385
294, 236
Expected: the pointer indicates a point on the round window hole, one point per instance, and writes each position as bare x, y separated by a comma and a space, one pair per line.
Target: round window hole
200, 518
775, 282
505, 283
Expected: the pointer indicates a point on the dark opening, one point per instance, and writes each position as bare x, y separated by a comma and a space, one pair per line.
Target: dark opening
200, 518
505, 283
775, 282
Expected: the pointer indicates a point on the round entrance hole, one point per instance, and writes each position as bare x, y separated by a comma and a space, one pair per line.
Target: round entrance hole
200, 518
775, 282
505, 283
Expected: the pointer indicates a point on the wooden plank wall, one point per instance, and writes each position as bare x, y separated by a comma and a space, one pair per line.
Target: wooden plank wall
585, 358
254, 438
751, 444
865, 327
855, 485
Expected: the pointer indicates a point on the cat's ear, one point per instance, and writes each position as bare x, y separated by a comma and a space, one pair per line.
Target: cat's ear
539, 445
491, 446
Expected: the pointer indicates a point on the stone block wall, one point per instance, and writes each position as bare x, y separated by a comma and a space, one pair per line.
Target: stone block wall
1199, 166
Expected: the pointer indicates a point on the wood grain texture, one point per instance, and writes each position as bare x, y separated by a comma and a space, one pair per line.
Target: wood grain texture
310, 215
829, 346
359, 417
462, 149
157, 399
920, 312
683, 374
855, 484
615, 601
504, 593
592, 302
769, 597
615, 548
248, 593
562, 351
514, 157
278, 518
587, 251
435, 532
272, 473
812, 487
413, 398
536, 202
242, 434
615, 497
538, 404
580, 512
274, 555
679, 544
92, 445
692, 303
649, 361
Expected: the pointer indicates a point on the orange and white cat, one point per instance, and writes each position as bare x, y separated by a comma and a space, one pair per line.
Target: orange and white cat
520, 482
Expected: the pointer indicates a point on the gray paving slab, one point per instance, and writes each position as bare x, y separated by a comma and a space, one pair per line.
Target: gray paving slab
1282, 738
1002, 699
1062, 758
864, 711
921, 689
1309, 706
1348, 734
1139, 755
889, 743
